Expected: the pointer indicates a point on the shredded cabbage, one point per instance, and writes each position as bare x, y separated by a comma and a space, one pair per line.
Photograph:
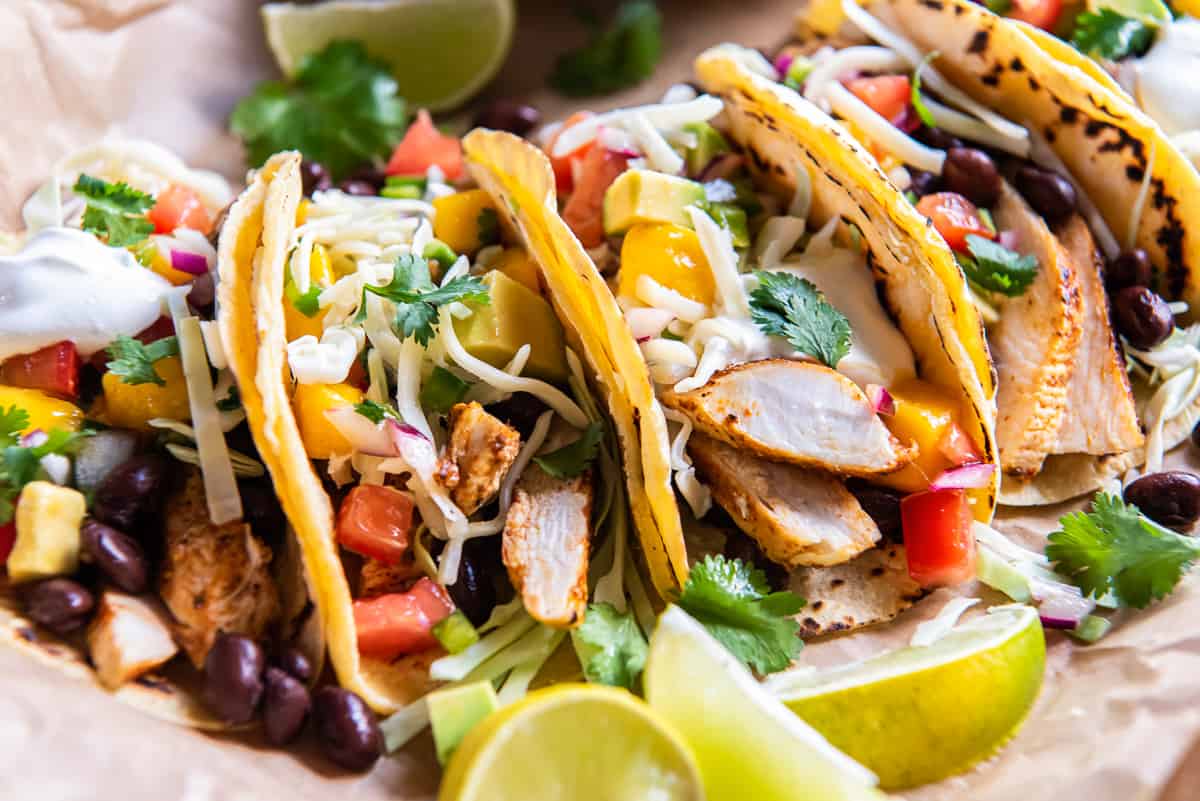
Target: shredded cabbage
717, 244
662, 116
881, 131
697, 495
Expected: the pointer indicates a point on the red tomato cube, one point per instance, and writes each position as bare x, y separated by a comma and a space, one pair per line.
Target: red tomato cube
53, 369
584, 211
179, 207
401, 623
424, 146
938, 537
954, 217
376, 521
887, 95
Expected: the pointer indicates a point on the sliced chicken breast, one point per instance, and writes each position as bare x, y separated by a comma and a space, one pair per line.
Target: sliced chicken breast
480, 452
545, 545
128, 636
797, 412
798, 516
1035, 344
1101, 417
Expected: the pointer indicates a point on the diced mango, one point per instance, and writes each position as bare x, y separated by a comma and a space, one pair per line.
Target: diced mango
459, 220
671, 255
302, 211
825, 16
310, 402
320, 273
923, 416
135, 405
518, 265
515, 316
45, 411
160, 262
48, 521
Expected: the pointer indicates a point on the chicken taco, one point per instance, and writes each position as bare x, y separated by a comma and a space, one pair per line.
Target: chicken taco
1068, 210
809, 346
138, 536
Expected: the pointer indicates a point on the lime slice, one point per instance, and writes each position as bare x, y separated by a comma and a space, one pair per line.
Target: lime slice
1152, 11
572, 741
441, 51
918, 715
748, 744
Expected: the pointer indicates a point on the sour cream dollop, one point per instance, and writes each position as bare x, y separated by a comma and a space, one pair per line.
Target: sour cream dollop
66, 284
1166, 77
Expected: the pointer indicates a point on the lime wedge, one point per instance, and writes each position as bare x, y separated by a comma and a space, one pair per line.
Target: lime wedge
441, 51
918, 715
747, 743
1151, 11
572, 741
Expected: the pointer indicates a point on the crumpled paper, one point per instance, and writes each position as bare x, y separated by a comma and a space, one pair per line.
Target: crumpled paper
1112, 721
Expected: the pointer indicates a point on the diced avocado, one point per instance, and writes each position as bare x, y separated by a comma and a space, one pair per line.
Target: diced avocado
515, 316
644, 196
48, 521
518, 265
733, 217
709, 144
454, 711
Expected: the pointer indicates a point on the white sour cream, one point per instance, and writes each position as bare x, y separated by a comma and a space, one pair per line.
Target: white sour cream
1167, 88
67, 284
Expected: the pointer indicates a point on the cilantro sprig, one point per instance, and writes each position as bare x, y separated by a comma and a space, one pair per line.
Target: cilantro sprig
341, 109
417, 298
733, 601
116, 212
610, 646
787, 306
572, 459
995, 268
134, 361
20, 464
618, 56
1115, 548
1111, 35
376, 412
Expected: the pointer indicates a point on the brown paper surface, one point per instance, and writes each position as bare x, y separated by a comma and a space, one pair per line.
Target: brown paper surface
1112, 721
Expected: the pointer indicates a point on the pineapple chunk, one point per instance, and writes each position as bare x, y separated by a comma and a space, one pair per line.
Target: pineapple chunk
48, 521
128, 637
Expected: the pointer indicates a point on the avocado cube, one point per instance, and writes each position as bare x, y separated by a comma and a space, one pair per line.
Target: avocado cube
454, 711
48, 522
515, 316
709, 145
644, 196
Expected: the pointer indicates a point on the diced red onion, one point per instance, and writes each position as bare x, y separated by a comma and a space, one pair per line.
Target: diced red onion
406, 430
722, 166
190, 263
365, 436
34, 438
881, 400
1062, 604
968, 476
783, 63
647, 323
1058, 622
907, 120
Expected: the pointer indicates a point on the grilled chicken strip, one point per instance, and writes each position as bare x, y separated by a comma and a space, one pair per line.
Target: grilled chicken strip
545, 545
479, 454
1036, 343
1101, 417
214, 578
128, 636
797, 412
796, 515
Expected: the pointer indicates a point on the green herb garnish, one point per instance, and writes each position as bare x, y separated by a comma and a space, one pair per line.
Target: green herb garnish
787, 306
376, 412
1110, 35
116, 212
571, 460
995, 268
19, 464
618, 56
442, 390
417, 298
134, 361
610, 646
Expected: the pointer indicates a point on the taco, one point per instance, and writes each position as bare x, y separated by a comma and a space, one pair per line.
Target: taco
809, 342
136, 530
1068, 210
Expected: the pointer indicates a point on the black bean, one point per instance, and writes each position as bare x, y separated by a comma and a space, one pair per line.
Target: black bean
203, 292
881, 504
354, 186
972, 173
347, 729
233, 677
508, 115
1196, 435
473, 592
740, 546
118, 555
314, 176
59, 604
1142, 317
520, 411
923, 183
1051, 195
1131, 268
285, 706
261, 509
130, 497
292, 660
936, 137
1171, 498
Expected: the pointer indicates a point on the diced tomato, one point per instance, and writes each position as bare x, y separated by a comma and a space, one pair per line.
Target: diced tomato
424, 146
179, 207
584, 211
564, 170
956, 446
8, 537
1042, 14
938, 539
887, 95
376, 521
358, 376
53, 369
954, 217
401, 623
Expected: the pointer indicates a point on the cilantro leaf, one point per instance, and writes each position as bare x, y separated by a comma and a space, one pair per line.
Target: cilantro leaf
20, 464
13, 421
610, 646
1110, 35
417, 298
787, 306
918, 103
341, 108
618, 56
488, 223
1113, 547
735, 604
442, 390
307, 304
134, 362
571, 460
115, 211
995, 268
376, 412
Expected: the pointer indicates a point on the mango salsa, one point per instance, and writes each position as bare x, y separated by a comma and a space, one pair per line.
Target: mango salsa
45, 411
135, 405
160, 262
460, 220
320, 273
671, 255
310, 402
924, 415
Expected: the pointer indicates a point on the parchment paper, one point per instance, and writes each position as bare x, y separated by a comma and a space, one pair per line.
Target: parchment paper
1112, 721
